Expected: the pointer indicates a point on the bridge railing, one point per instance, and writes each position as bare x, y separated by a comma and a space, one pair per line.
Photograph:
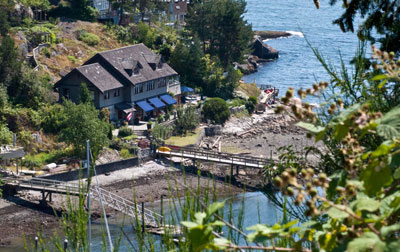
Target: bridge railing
220, 156
46, 184
110, 199
126, 206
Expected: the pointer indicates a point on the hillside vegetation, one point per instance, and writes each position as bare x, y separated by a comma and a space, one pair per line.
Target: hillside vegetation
72, 43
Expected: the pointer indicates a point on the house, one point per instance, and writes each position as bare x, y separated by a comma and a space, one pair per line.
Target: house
178, 11
130, 81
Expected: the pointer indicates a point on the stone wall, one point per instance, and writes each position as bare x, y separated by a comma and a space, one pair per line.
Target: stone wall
100, 169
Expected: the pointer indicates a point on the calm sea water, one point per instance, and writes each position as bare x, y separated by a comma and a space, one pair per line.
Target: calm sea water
297, 66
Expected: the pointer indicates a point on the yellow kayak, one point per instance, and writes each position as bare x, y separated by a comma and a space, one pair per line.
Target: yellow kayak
164, 149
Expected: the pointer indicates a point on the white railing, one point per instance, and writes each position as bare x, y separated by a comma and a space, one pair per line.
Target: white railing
110, 199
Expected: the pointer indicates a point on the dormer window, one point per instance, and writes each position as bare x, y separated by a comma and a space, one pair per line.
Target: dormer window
153, 60
131, 67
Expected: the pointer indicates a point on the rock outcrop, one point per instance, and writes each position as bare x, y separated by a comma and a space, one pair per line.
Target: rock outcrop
264, 51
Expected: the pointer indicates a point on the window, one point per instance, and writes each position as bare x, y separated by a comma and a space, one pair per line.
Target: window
162, 82
107, 95
66, 93
138, 88
150, 85
92, 95
117, 92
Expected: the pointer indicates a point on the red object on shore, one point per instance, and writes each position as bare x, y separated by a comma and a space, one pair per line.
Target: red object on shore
129, 116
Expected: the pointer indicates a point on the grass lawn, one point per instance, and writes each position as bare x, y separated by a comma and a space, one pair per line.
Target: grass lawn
190, 138
250, 89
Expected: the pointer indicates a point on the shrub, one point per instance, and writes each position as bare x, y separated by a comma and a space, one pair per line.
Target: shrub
72, 58
89, 38
216, 110
251, 104
46, 52
186, 119
53, 118
6, 136
162, 132
237, 102
125, 131
125, 153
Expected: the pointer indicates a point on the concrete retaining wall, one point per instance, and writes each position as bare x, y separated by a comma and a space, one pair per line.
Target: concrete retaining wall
100, 169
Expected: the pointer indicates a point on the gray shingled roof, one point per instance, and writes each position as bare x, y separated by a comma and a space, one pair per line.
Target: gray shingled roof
99, 77
118, 58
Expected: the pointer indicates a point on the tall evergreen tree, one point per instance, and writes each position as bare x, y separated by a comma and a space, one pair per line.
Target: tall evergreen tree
219, 24
84, 94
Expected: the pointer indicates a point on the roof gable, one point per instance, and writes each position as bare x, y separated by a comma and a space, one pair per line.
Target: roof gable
125, 57
99, 77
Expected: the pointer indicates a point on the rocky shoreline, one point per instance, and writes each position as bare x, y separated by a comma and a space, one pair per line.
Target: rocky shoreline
261, 52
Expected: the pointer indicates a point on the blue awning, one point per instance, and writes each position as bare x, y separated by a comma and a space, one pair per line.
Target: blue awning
145, 106
157, 102
186, 89
168, 99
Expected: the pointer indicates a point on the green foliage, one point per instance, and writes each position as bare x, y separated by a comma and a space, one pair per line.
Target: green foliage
89, 38
186, 120
161, 132
125, 153
75, 9
125, 131
23, 85
146, 35
43, 158
46, 52
251, 104
221, 24
237, 102
53, 118
72, 58
216, 110
381, 21
84, 94
82, 123
6, 136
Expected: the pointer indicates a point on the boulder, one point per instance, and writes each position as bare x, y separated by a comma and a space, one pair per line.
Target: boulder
21, 12
264, 51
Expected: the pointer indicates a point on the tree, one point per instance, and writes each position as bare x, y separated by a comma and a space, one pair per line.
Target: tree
381, 16
6, 136
122, 6
186, 120
83, 10
144, 6
219, 24
251, 104
216, 110
82, 123
84, 94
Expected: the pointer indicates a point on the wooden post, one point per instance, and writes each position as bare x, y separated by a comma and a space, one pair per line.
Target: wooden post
142, 217
237, 170
231, 172
161, 210
65, 245
36, 242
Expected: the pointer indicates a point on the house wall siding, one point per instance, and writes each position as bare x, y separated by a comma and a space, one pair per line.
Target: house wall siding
147, 93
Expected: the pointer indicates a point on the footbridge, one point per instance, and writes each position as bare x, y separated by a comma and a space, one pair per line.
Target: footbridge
211, 156
147, 217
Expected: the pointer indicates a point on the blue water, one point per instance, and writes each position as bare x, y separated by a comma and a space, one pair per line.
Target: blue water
257, 209
297, 65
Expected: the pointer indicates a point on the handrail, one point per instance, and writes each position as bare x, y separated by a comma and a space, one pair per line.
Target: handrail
111, 199
217, 155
